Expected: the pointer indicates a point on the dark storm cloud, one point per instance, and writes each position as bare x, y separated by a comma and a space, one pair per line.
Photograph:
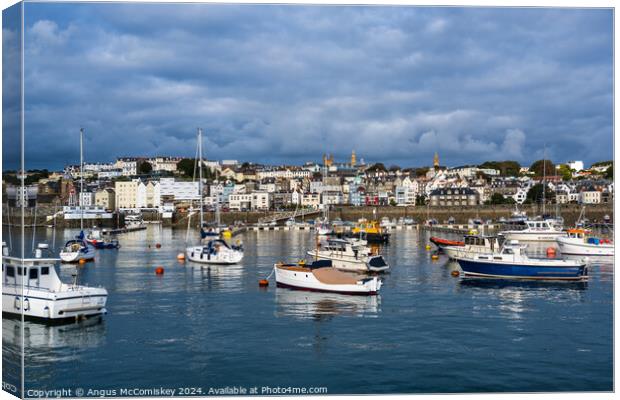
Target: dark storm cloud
287, 83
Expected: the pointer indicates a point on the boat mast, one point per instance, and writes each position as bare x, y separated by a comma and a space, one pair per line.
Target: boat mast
200, 174
81, 178
544, 200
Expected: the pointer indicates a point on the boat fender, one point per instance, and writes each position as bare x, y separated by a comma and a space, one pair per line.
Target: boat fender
455, 273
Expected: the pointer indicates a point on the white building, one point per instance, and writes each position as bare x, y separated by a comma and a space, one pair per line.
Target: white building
240, 201
129, 166
261, 200
87, 199
590, 197
109, 174
180, 190
164, 163
331, 198
575, 165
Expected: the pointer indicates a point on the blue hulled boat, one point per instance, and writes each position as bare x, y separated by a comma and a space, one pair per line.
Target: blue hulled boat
510, 262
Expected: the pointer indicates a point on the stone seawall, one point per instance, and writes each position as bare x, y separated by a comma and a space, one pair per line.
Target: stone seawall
570, 212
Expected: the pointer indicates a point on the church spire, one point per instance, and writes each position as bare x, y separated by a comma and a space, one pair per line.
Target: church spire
436, 160
353, 159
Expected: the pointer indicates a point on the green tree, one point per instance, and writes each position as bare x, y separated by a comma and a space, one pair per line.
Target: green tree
420, 200
144, 168
534, 195
542, 165
186, 166
565, 172
609, 172
393, 202
505, 168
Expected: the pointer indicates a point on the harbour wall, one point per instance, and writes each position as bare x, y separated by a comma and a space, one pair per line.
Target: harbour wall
570, 213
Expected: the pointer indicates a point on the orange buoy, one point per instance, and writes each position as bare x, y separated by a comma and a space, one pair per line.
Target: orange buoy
551, 252
82, 261
435, 257
158, 245
455, 273
263, 283
159, 270
181, 257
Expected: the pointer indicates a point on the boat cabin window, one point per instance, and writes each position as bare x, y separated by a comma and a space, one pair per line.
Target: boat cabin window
45, 270
33, 273
10, 271
20, 271
508, 251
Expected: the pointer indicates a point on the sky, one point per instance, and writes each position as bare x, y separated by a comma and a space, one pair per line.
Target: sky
285, 84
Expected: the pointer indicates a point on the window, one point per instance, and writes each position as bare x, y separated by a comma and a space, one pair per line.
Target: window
33, 273
10, 271
20, 271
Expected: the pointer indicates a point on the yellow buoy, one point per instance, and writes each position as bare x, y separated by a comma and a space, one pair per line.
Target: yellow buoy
435, 257
428, 247
227, 234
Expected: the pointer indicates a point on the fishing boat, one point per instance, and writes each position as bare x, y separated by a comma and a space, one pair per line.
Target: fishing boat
211, 250
582, 242
349, 255
510, 262
536, 231
370, 231
321, 276
473, 244
32, 287
441, 243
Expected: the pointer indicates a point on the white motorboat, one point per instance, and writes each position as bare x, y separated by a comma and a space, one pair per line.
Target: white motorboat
211, 250
536, 231
77, 249
349, 255
472, 244
32, 287
322, 277
134, 222
216, 251
582, 242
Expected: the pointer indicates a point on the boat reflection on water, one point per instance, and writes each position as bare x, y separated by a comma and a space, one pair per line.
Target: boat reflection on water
226, 277
45, 342
318, 305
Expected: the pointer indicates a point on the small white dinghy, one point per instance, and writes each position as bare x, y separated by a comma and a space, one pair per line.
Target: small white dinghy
322, 277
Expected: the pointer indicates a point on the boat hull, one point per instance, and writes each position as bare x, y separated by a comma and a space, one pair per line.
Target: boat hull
573, 247
535, 271
307, 281
44, 305
76, 256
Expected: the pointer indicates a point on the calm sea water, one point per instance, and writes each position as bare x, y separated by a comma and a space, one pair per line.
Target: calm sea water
214, 327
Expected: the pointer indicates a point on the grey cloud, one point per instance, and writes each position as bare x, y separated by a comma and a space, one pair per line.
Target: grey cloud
287, 83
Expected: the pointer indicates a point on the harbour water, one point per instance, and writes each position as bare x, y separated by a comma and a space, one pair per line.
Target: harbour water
213, 327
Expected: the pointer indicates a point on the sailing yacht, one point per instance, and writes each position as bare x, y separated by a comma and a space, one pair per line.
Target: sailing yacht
77, 249
211, 250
